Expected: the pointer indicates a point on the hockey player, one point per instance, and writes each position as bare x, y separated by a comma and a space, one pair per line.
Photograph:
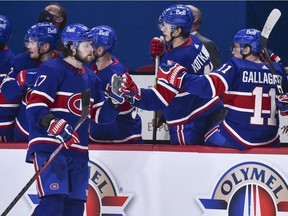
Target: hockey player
128, 127
41, 40
188, 117
53, 109
8, 110
249, 93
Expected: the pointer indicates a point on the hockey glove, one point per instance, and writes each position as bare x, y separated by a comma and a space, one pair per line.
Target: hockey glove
114, 92
157, 47
273, 56
282, 104
27, 78
63, 132
172, 73
130, 89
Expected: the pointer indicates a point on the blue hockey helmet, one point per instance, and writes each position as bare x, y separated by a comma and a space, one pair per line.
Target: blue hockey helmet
249, 37
104, 36
178, 15
44, 33
76, 33
5, 29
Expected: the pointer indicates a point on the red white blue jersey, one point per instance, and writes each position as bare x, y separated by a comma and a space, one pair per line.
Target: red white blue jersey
8, 109
18, 95
128, 127
186, 113
58, 92
6, 56
192, 55
249, 96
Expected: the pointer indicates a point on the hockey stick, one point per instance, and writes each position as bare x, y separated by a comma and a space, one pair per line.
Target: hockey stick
269, 25
154, 136
157, 64
85, 99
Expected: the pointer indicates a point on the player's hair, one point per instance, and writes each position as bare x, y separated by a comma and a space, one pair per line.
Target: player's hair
66, 51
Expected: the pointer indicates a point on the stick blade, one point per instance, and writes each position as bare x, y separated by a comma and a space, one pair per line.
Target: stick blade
270, 22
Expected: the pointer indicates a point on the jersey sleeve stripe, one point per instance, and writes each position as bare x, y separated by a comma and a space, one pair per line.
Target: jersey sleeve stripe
219, 82
36, 105
41, 95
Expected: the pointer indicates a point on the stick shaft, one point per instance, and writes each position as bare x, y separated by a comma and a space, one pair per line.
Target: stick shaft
154, 136
85, 98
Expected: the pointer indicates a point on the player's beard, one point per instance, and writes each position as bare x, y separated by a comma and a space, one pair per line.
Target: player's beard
82, 59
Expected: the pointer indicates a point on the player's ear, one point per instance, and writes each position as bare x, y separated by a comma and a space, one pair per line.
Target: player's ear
101, 50
247, 50
46, 46
177, 32
73, 49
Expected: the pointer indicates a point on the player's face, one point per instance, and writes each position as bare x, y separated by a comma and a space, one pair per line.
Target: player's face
85, 51
33, 48
167, 30
235, 49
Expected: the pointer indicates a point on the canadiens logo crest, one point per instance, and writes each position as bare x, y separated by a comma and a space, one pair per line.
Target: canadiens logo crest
104, 197
74, 104
248, 189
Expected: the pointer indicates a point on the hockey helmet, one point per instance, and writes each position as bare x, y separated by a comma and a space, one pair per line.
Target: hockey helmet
104, 36
76, 33
5, 29
178, 15
44, 33
249, 37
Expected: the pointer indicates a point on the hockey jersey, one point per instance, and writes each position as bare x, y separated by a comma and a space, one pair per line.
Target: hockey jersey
186, 111
18, 95
58, 92
128, 127
249, 96
8, 109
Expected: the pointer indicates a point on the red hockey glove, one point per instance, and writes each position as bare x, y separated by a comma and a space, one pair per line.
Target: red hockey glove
114, 91
282, 104
273, 56
63, 132
172, 73
157, 46
130, 89
27, 78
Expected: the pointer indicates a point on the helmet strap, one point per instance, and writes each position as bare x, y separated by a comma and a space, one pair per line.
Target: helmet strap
244, 56
95, 53
173, 37
42, 54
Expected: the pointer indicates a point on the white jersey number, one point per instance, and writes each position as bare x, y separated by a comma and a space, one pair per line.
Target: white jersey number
40, 80
257, 118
